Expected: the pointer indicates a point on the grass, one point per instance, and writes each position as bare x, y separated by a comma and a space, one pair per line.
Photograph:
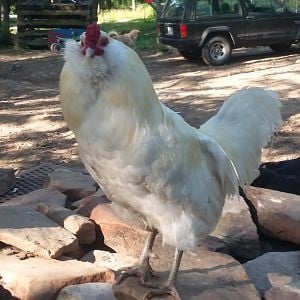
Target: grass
142, 18
143, 11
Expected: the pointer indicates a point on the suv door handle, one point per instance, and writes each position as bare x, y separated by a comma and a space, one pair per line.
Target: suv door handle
250, 17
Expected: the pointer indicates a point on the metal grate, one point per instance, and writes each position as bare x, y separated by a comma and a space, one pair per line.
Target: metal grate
29, 180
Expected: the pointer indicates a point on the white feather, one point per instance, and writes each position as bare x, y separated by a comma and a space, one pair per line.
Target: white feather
158, 170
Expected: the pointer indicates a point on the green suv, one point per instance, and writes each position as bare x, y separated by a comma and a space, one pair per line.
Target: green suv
212, 28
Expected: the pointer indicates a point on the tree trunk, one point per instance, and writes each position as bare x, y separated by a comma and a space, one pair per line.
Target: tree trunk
5, 11
94, 17
105, 4
133, 4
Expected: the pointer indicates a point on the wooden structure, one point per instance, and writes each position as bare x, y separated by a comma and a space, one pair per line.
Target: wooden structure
37, 17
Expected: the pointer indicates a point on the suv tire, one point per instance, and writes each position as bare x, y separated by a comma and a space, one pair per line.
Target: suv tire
216, 51
280, 47
190, 54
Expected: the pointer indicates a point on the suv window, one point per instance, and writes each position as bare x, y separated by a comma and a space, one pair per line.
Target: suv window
217, 7
203, 8
174, 9
263, 6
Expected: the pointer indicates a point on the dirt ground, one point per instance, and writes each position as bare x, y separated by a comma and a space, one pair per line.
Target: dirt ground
32, 129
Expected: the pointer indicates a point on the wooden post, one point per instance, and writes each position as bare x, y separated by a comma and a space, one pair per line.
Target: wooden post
94, 12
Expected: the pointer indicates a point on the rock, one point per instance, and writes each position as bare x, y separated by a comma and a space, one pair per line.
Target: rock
29, 230
113, 261
118, 235
48, 196
90, 291
284, 292
131, 289
7, 180
237, 230
236, 234
90, 202
206, 276
275, 270
80, 226
75, 185
38, 278
277, 214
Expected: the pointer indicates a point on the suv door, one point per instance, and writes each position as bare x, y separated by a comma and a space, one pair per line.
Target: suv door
222, 16
269, 23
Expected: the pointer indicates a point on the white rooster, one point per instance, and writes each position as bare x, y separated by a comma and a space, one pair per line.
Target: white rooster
158, 170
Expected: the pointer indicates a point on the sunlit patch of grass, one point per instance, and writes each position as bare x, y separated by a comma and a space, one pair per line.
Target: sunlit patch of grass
143, 11
124, 20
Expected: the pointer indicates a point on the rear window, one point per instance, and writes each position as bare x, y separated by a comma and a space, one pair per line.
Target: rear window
216, 7
174, 8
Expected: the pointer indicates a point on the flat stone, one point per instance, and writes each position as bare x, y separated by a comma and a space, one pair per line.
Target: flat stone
113, 261
29, 230
7, 180
207, 275
204, 276
237, 230
235, 235
74, 184
83, 228
284, 292
89, 202
49, 196
118, 235
277, 214
275, 270
129, 240
42, 279
87, 291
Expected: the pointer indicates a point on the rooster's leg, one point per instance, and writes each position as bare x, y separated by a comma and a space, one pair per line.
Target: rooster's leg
169, 287
143, 270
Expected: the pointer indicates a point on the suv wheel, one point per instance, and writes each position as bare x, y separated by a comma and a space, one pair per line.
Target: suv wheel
190, 54
216, 51
280, 47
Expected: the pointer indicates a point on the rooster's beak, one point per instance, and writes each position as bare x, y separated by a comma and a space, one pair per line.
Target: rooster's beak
89, 52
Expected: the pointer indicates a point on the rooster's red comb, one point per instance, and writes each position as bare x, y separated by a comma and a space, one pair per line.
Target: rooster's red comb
94, 41
93, 32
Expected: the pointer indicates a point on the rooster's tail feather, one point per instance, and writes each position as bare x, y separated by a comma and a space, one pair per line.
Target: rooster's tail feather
243, 126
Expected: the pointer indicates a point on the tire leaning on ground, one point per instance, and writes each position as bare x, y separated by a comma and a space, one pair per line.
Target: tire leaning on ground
216, 51
55, 47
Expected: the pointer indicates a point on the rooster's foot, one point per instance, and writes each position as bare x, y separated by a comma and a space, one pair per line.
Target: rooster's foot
143, 272
165, 290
